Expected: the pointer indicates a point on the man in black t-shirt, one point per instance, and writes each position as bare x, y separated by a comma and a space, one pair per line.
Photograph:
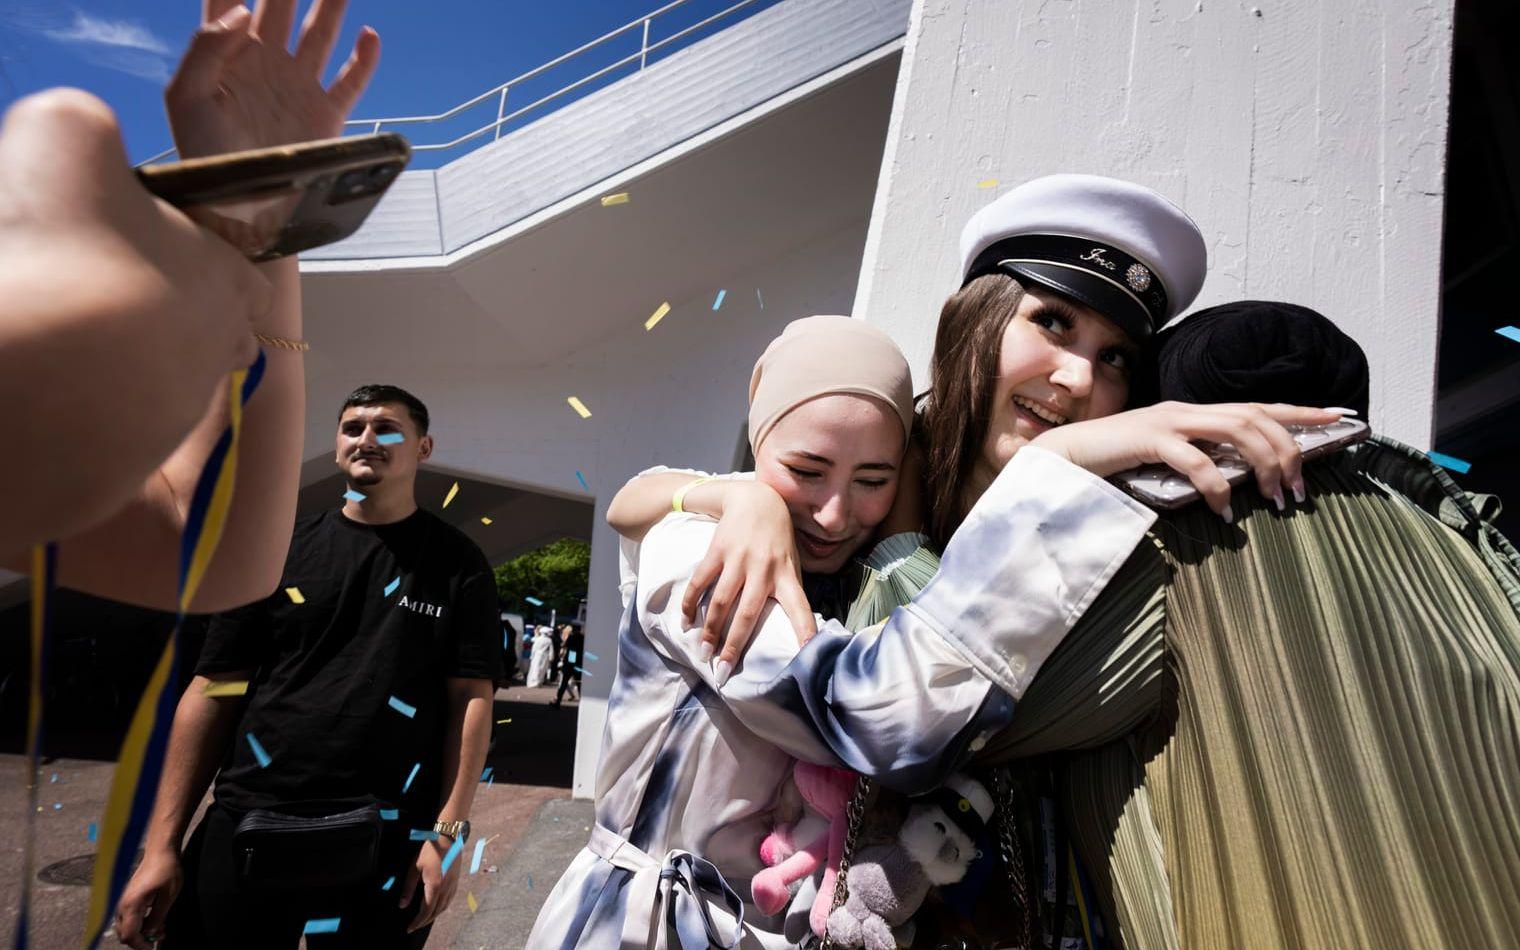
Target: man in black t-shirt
369, 680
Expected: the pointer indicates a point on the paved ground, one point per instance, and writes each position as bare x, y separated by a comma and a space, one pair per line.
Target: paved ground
508, 908
525, 806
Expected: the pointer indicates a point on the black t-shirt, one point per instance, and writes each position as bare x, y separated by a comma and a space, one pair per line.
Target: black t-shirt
347, 691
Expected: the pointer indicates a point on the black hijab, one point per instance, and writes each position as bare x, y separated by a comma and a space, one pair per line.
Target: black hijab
1261, 351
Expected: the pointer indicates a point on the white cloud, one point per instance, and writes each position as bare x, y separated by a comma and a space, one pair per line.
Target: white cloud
116, 34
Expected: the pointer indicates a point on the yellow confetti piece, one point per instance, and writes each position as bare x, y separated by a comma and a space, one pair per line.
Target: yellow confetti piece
621, 198
469, 898
502, 722
657, 316
485, 520
226, 688
987, 183
579, 407
450, 496
295, 595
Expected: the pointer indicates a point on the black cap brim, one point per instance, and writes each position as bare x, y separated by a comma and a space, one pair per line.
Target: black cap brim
1107, 299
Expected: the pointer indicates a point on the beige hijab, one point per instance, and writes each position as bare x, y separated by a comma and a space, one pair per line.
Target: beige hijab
820, 356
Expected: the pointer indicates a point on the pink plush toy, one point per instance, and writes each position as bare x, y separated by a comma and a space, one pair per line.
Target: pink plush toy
828, 791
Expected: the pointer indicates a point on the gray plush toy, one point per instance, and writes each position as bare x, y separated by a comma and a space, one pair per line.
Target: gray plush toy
887, 883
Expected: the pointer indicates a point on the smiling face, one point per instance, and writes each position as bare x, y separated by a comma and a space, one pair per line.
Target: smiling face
834, 460
1059, 362
364, 460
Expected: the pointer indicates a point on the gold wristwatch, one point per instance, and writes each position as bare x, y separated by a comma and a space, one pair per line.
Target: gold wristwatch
454, 829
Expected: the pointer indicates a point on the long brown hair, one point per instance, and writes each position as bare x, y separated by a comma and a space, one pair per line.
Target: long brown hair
958, 409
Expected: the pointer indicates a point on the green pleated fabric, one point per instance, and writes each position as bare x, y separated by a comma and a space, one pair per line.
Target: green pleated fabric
1301, 730
1342, 765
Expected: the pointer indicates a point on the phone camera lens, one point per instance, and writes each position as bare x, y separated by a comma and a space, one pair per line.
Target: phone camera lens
362, 182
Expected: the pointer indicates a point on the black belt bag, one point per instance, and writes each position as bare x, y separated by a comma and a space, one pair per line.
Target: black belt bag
275, 849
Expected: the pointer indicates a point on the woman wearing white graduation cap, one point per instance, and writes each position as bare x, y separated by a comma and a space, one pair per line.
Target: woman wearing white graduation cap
696, 750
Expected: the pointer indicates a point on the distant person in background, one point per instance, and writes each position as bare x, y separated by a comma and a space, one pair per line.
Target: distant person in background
541, 664
570, 663
508, 645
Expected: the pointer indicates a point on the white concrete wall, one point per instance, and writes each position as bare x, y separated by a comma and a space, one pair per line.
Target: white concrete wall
1307, 139
651, 403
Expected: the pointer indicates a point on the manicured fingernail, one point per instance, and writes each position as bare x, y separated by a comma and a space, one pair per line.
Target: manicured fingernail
1278, 500
1343, 411
705, 652
1298, 490
1228, 515
722, 672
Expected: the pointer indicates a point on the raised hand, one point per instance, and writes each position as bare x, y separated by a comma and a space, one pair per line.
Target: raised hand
751, 561
1166, 432
240, 87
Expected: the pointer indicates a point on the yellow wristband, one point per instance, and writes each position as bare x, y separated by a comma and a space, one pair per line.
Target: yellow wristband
680, 495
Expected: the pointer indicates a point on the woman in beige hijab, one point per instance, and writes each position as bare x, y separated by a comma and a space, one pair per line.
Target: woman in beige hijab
830, 411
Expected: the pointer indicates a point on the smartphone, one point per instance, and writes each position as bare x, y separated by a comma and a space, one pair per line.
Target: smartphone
1161, 487
271, 202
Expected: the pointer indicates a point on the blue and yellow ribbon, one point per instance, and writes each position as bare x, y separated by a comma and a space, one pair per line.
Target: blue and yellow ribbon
44, 563
135, 783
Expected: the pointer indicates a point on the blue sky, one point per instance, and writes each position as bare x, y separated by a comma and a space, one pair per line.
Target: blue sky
434, 54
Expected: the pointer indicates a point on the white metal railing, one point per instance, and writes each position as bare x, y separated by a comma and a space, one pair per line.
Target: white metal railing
500, 92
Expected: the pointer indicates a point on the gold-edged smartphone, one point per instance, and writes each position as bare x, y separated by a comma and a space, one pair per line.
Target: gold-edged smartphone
271, 202
1161, 487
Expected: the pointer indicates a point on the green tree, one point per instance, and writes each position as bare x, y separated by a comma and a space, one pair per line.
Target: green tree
556, 574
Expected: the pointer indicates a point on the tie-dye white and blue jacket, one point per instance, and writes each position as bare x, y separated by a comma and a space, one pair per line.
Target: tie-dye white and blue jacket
690, 771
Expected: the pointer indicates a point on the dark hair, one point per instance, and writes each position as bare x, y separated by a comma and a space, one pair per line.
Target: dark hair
958, 409
373, 394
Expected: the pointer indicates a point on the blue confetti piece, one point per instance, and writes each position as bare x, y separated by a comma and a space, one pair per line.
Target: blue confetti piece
53, 779
591, 656
480, 847
759, 298
1512, 333
391, 587
534, 601
580, 671
570, 657
415, 769
487, 773
405, 709
582, 479
451, 854
506, 639
1447, 461
258, 751
58, 806
390, 438
719, 302
424, 834
389, 883
390, 814
355, 496
91, 831
530, 882
322, 925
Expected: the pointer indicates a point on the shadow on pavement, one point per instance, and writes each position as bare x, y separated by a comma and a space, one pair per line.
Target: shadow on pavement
537, 747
